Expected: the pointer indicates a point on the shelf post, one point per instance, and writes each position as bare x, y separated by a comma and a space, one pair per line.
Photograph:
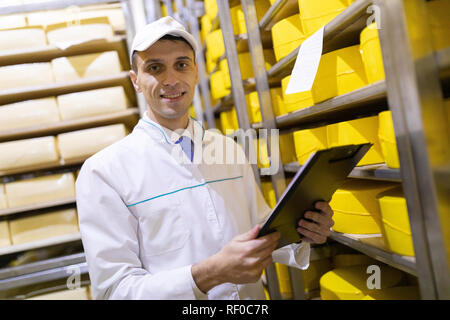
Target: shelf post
416, 102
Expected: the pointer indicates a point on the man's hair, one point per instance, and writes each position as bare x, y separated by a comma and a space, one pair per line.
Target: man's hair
166, 37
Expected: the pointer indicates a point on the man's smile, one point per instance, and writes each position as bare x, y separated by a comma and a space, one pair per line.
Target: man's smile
172, 96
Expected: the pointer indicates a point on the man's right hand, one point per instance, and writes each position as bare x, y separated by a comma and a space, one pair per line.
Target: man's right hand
242, 260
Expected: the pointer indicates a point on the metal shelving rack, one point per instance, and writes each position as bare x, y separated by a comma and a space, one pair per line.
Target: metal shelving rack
416, 80
50, 274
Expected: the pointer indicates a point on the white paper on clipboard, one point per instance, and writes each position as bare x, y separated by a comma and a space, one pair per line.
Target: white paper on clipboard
307, 63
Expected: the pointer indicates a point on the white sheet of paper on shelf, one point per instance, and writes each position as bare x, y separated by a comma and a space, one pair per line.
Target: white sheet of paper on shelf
307, 63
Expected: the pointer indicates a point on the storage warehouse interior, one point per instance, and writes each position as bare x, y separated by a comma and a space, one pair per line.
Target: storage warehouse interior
383, 78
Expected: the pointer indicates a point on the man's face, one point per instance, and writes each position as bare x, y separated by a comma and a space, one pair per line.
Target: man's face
167, 75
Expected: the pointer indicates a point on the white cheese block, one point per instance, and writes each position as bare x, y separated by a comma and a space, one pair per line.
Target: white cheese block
29, 113
43, 226
85, 66
41, 189
23, 75
22, 38
3, 201
28, 152
12, 21
45, 18
115, 16
92, 102
75, 294
5, 238
80, 33
84, 143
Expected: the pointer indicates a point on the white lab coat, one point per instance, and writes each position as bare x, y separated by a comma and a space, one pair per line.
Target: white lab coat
145, 219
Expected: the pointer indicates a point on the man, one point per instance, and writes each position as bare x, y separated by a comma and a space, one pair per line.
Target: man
154, 227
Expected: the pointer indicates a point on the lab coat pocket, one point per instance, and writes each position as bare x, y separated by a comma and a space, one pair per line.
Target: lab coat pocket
162, 227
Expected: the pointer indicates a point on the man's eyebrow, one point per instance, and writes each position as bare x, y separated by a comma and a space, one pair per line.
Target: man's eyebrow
148, 61
184, 58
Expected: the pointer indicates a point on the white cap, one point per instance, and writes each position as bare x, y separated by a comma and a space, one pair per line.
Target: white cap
154, 31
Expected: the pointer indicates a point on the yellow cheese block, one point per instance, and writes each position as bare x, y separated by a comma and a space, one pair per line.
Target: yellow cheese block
351, 283
92, 102
312, 275
86, 66
371, 53
386, 136
234, 12
339, 72
396, 229
205, 27
357, 131
278, 105
174, 6
348, 260
309, 141
77, 145
262, 154
28, 152
238, 17
439, 23
41, 189
253, 108
211, 64
215, 45
268, 193
287, 148
356, 208
395, 293
229, 121
3, 200
164, 10
295, 101
29, 113
192, 112
5, 237
284, 281
287, 35
75, 294
23, 75
22, 38
12, 21
218, 89
315, 14
245, 64
43, 226
79, 33
211, 8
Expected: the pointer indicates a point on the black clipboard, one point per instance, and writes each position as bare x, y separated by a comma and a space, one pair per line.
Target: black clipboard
317, 180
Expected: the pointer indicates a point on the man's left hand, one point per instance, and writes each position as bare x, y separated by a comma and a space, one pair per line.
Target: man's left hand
318, 229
